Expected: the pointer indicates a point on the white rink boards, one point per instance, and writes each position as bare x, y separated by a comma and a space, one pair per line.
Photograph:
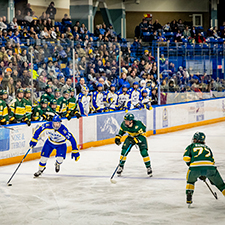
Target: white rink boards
81, 193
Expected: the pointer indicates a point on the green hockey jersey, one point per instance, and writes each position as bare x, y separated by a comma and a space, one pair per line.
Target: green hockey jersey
28, 107
47, 96
18, 109
197, 155
4, 116
138, 128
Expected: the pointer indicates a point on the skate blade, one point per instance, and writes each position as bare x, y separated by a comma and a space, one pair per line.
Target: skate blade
189, 206
150, 175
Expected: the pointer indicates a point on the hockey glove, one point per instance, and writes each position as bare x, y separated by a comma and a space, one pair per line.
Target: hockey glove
28, 122
32, 144
77, 115
75, 154
118, 139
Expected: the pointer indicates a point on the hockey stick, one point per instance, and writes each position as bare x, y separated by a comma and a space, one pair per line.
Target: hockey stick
8, 183
111, 178
214, 193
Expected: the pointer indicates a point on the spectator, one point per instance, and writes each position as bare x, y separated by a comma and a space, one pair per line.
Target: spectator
28, 18
132, 78
200, 38
51, 10
67, 85
45, 34
166, 27
180, 26
186, 33
157, 26
66, 21
14, 24
2, 24
173, 26
19, 18
27, 9
80, 85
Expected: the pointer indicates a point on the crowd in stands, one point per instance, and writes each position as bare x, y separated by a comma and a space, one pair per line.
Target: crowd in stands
177, 31
100, 84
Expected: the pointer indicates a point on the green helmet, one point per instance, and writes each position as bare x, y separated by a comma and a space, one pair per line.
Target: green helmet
2, 92
199, 136
71, 90
19, 90
66, 91
48, 86
57, 90
53, 102
44, 101
129, 116
27, 90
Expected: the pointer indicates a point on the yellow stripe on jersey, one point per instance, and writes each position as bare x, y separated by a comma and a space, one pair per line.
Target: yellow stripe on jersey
223, 192
202, 163
146, 159
132, 134
190, 187
187, 158
28, 108
188, 174
5, 111
124, 158
34, 140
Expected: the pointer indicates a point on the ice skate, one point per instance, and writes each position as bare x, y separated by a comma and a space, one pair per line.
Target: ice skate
119, 171
39, 172
149, 171
189, 199
57, 167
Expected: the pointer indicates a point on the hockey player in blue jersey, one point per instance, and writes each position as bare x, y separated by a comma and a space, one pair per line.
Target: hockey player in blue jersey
98, 99
111, 98
123, 100
145, 101
134, 95
57, 135
84, 101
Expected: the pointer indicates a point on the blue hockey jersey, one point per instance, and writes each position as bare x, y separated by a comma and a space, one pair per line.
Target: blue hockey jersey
84, 103
56, 137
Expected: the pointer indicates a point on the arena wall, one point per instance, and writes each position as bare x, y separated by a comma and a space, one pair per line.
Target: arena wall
100, 129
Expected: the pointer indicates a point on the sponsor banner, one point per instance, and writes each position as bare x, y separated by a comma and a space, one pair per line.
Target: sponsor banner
223, 107
108, 125
4, 139
165, 118
200, 111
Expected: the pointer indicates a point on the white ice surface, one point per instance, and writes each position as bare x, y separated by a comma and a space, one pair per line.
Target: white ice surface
81, 193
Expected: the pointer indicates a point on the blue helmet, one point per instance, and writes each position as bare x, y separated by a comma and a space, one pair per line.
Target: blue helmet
125, 86
135, 83
56, 118
144, 91
99, 85
112, 85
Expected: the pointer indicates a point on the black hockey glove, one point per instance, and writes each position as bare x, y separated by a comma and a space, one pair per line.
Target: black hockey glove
28, 122
77, 115
118, 139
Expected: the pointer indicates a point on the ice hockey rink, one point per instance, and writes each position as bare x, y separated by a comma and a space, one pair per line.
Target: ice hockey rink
81, 193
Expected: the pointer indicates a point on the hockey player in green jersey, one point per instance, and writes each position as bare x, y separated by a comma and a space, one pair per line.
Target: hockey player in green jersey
18, 109
58, 99
199, 158
52, 112
72, 106
135, 130
40, 112
4, 115
28, 103
48, 93
64, 103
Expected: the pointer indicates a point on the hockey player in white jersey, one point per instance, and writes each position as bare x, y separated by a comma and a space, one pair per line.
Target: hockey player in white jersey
84, 99
97, 99
145, 101
123, 100
57, 135
111, 98
134, 95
